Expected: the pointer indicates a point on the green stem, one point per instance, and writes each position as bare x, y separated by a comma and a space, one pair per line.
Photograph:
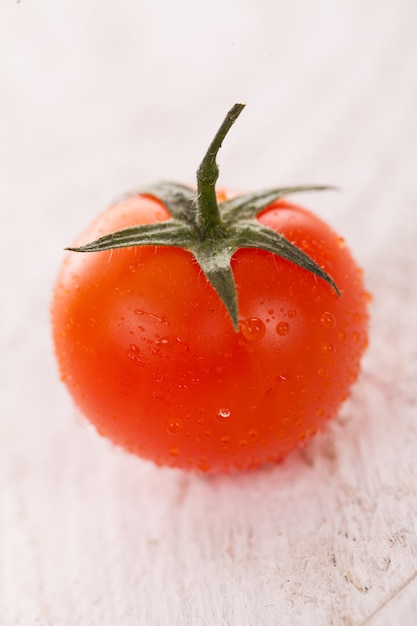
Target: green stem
208, 214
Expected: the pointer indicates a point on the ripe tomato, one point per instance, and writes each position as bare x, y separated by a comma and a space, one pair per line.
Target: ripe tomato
147, 349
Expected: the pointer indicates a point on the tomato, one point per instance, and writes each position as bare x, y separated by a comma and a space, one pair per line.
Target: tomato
149, 353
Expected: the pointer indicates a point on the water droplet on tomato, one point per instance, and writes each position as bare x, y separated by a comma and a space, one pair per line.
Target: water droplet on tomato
281, 378
327, 348
253, 433
253, 329
283, 328
173, 451
342, 336
174, 426
292, 313
225, 439
340, 242
323, 373
223, 414
328, 320
134, 353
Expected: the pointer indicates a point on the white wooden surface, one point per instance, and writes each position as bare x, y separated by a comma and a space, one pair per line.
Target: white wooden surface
98, 97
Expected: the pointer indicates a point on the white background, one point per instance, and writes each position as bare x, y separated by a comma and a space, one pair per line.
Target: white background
100, 96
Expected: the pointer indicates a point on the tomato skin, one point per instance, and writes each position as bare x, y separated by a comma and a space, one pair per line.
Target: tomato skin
149, 354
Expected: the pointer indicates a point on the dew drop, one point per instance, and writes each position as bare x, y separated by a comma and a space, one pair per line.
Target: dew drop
173, 451
253, 433
283, 328
328, 320
253, 329
134, 353
327, 348
342, 336
323, 373
174, 426
292, 313
340, 242
225, 439
223, 414
281, 378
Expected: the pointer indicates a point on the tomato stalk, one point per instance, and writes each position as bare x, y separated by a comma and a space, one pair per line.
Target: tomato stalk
213, 231
208, 214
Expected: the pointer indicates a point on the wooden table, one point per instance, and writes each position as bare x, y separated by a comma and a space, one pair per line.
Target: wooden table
97, 98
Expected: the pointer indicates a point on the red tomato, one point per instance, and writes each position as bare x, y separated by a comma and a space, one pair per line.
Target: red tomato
149, 354
209, 333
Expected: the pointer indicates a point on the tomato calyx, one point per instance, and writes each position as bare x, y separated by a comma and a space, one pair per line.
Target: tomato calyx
211, 230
